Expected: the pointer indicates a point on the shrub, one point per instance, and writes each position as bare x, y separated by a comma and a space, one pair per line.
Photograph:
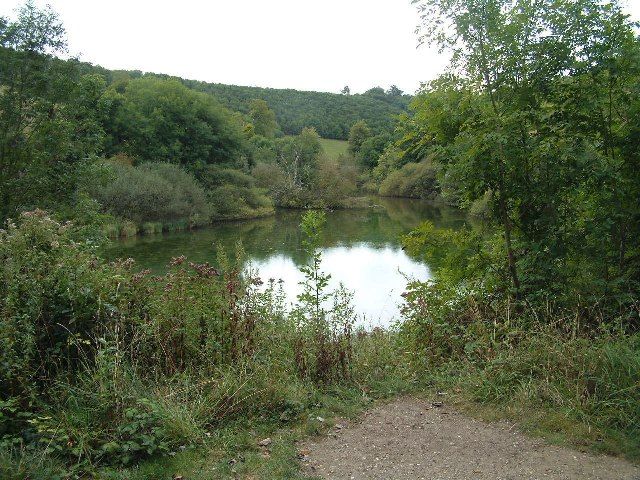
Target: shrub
101, 364
51, 289
413, 180
150, 228
128, 229
212, 176
233, 194
154, 192
335, 182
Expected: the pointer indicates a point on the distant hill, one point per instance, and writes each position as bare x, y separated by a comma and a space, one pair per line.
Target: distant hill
331, 114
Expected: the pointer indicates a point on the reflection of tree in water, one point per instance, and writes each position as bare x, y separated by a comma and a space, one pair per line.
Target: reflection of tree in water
410, 213
378, 227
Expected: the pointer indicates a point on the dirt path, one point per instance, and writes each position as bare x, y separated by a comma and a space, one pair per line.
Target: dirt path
410, 439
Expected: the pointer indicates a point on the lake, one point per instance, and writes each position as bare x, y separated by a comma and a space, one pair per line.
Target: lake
360, 248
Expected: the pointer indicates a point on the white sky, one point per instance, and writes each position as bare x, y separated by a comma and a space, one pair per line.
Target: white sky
302, 44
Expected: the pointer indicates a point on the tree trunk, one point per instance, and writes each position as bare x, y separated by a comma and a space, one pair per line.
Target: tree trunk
506, 222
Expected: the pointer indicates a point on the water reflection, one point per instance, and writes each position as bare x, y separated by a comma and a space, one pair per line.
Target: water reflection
377, 277
360, 248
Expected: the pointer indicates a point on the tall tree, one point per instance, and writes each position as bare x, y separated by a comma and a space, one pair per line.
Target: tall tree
263, 118
358, 134
394, 91
48, 127
514, 142
162, 120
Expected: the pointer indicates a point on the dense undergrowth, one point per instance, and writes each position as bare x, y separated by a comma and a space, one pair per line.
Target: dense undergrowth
105, 367
110, 371
569, 384
568, 363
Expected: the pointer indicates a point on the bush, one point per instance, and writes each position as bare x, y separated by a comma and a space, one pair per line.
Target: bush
335, 183
413, 180
545, 356
212, 176
101, 364
331, 185
50, 302
233, 194
153, 192
281, 186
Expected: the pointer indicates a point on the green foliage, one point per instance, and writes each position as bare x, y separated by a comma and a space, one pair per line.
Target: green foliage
481, 208
592, 380
297, 177
316, 282
539, 118
233, 194
413, 180
436, 116
335, 183
49, 114
534, 363
262, 118
102, 364
370, 150
540, 359
358, 134
153, 192
50, 293
18, 464
323, 348
157, 120
330, 114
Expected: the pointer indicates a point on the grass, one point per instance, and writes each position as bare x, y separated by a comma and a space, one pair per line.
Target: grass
334, 148
233, 451
274, 379
577, 393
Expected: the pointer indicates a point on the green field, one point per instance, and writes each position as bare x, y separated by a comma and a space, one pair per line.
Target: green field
333, 148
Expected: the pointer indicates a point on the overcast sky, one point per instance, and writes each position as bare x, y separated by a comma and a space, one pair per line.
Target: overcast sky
307, 45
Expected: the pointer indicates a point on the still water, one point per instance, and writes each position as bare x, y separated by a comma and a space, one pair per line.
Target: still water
360, 248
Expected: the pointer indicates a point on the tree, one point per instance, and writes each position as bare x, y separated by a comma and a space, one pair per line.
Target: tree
162, 120
263, 118
394, 91
331, 114
346, 90
298, 156
48, 127
371, 149
359, 132
520, 138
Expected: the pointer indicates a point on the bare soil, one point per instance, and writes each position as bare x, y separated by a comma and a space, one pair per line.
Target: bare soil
413, 439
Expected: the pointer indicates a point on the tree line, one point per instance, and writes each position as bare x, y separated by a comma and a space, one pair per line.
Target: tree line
535, 129
331, 114
75, 136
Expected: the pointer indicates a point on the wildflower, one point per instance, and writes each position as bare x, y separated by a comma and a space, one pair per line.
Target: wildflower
175, 261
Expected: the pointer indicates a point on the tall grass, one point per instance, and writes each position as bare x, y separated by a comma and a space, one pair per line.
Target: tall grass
577, 382
106, 365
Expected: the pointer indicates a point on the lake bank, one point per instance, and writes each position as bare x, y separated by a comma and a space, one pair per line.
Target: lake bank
361, 249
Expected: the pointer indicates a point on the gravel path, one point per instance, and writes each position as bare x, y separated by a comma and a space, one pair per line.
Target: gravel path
411, 439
